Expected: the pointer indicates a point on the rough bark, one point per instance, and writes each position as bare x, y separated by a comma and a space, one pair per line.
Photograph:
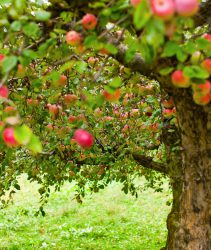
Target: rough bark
189, 222
148, 162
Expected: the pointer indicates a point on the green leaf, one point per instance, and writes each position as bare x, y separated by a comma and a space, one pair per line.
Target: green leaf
116, 82
195, 72
23, 134
189, 47
16, 26
20, 5
80, 66
202, 43
9, 63
181, 55
166, 71
111, 48
30, 53
170, 49
142, 15
31, 30
42, 15
35, 145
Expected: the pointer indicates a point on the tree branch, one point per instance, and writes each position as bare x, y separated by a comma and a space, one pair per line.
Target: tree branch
204, 15
147, 162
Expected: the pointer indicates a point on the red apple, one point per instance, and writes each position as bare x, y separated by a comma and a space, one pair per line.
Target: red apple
4, 92
70, 99
187, 7
9, 137
89, 21
49, 127
83, 138
168, 113
202, 89
112, 97
2, 56
207, 37
206, 64
73, 38
92, 60
201, 100
72, 118
135, 2
62, 80
163, 9
53, 109
179, 79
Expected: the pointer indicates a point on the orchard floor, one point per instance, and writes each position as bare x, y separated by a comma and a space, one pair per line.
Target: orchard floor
107, 220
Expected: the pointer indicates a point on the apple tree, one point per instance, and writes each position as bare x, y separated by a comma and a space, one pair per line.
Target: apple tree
102, 90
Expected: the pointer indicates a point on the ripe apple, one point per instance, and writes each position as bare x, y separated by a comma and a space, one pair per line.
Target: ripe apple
72, 118
112, 97
83, 138
163, 9
135, 2
70, 99
73, 38
62, 80
9, 137
201, 100
168, 113
206, 64
179, 79
53, 109
49, 127
32, 102
202, 89
9, 109
187, 7
2, 56
4, 92
89, 21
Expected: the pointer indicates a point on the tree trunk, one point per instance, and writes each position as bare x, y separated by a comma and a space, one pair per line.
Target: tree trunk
189, 223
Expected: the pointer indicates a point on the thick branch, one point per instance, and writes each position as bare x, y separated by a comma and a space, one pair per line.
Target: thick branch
147, 162
137, 64
204, 15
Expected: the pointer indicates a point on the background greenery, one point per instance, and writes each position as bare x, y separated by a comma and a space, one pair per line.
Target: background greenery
106, 220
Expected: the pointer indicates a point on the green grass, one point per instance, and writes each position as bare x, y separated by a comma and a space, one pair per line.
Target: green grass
107, 220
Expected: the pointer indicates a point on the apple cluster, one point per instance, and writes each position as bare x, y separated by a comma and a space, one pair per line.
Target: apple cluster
89, 22
201, 90
165, 9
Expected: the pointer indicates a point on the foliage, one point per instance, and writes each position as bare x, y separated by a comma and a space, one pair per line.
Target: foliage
59, 83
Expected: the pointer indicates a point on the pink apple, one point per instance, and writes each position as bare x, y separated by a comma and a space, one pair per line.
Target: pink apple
135, 2
187, 7
83, 138
202, 89
9, 137
89, 21
4, 92
201, 100
163, 9
73, 38
206, 64
179, 79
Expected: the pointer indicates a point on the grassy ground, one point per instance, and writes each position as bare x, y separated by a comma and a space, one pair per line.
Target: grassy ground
107, 220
